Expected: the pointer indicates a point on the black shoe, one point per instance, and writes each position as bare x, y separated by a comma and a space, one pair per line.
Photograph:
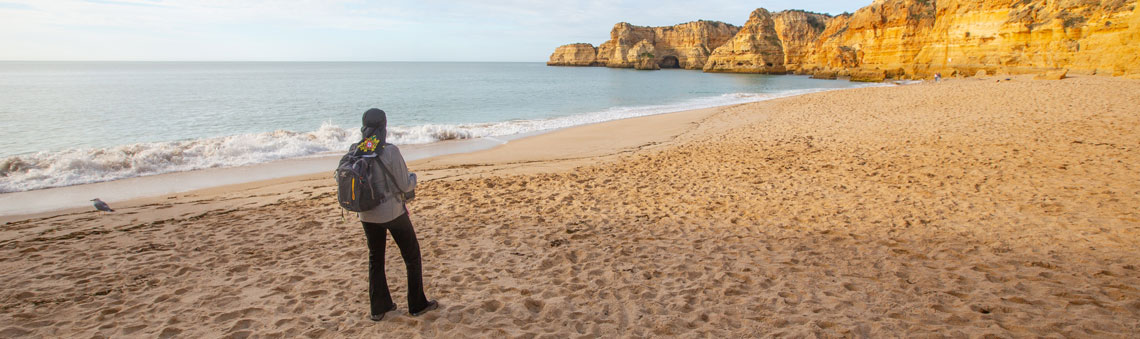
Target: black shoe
431, 306
379, 317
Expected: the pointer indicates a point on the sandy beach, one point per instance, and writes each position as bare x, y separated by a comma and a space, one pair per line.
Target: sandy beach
969, 208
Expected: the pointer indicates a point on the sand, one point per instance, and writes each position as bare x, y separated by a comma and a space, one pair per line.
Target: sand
969, 208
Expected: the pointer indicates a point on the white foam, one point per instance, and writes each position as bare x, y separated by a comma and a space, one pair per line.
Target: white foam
85, 165
437, 132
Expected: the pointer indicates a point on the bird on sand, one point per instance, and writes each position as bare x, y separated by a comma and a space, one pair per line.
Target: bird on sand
102, 206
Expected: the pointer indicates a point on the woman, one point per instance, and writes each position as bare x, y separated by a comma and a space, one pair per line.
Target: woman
390, 176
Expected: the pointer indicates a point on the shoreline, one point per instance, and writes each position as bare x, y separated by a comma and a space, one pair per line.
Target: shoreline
314, 167
31, 162
138, 190
126, 190
971, 208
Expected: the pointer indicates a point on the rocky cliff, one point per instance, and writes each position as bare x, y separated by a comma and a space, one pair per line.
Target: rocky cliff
686, 45
755, 49
580, 54
885, 35
916, 38
1020, 36
896, 39
798, 32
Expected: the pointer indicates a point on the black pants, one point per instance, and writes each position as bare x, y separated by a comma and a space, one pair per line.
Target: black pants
405, 235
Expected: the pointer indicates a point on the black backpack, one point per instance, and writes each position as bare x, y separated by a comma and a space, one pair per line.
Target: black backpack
354, 189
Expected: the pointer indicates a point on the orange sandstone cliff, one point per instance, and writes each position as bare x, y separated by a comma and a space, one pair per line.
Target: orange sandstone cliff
886, 34
580, 54
914, 38
1101, 37
798, 31
755, 49
686, 45
896, 39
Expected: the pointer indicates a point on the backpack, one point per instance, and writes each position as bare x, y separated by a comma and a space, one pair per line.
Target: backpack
353, 182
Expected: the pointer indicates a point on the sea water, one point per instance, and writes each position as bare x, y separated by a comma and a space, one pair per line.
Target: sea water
69, 123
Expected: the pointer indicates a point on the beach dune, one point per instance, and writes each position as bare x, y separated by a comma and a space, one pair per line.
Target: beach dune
966, 208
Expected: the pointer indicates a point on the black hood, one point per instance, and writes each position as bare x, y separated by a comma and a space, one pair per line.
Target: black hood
375, 122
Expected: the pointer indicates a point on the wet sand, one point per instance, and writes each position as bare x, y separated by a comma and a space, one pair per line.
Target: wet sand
50, 201
967, 208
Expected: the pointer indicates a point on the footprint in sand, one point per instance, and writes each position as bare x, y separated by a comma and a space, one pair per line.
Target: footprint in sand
127, 331
534, 306
455, 314
492, 305
315, 293
241, 325
245, 313
169, 332
13, 332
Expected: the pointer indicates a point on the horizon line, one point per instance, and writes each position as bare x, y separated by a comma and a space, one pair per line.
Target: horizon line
439, 61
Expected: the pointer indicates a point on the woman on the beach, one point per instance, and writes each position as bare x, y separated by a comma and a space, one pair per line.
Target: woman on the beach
391, 177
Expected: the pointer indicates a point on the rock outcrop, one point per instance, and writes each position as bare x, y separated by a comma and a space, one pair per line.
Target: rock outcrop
878, 36
647, 64
643, 57
686, 45
897, 38
962, 37
579, 54
798, 32
755, 49
869, 76
825, 75
1010, 36
1052, 75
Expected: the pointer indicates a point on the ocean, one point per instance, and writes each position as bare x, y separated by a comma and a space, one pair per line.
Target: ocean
71, 123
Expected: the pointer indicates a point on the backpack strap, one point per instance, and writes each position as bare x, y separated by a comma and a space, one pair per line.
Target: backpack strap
384, 168
388, 173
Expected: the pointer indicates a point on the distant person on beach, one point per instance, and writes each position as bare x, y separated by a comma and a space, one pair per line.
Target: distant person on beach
937, 77
392, 178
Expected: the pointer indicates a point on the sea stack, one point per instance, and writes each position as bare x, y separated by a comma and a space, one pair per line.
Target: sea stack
579, 54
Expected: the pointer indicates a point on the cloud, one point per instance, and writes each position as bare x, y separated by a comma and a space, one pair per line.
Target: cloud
15, 6
174, 15
339, 29
126, 3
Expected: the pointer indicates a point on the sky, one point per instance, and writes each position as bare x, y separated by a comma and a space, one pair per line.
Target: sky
342, 30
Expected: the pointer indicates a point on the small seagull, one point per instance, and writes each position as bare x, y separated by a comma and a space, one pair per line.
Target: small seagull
102, 206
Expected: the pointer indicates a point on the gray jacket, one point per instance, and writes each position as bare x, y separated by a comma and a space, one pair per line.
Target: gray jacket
393, 205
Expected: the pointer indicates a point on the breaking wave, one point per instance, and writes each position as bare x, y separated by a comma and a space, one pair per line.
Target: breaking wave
84, 165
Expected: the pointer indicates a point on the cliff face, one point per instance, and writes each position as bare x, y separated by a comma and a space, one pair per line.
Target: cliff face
886, 35
686, 45
1012, 36
918, 38
798, 31
897, 39
755, 49
642, 55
